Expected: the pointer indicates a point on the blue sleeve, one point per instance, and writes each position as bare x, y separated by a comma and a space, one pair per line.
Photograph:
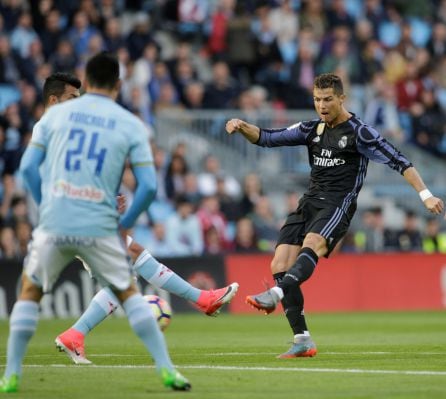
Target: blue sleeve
372, 145
288, 136
145, 192
29, 168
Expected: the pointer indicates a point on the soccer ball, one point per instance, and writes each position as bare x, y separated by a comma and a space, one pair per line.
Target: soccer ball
161, 310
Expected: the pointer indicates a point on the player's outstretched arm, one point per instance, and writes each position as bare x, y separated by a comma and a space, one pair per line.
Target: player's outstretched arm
249, 131
432, 203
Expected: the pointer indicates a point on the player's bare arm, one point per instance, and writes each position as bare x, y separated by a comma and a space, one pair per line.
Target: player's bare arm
249, 131
432, 203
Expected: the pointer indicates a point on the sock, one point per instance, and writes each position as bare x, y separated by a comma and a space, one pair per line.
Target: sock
278, 277
103, 304
294, 310
161, 276
22, 325
301, 270
293, 300
146, 328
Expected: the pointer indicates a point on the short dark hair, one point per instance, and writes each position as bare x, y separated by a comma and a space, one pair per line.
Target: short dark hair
102, 70
55, 84
329, 81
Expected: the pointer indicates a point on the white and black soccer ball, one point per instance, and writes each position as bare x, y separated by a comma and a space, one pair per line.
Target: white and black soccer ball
161, 310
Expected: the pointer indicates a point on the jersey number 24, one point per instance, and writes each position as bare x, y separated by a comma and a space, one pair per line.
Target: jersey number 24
74, 156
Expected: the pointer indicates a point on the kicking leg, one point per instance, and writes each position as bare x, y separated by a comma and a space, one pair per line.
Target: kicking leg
159, 275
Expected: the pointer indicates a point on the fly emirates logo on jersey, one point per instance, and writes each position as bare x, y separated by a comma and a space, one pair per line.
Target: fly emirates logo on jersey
85, 193
326, 160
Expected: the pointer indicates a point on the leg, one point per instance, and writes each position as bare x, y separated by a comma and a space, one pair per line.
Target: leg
25, 313
146, 328
301, 271
22, 325
159, 275
284, 257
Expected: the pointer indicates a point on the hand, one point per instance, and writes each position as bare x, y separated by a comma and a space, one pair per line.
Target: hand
434, 205
233, 125
121, 203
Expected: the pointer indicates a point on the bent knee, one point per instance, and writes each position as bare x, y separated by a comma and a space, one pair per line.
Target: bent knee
316, 242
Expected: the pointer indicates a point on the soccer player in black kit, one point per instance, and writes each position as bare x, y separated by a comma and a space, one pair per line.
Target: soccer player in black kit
339, 148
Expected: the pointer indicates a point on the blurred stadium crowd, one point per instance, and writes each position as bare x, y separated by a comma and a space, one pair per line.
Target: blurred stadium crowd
227, 54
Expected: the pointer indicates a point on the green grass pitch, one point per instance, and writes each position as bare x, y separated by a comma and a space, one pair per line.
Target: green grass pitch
361, 355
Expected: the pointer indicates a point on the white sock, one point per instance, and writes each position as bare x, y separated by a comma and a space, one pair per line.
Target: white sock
278, 291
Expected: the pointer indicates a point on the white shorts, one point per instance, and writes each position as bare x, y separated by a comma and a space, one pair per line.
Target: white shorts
49, 254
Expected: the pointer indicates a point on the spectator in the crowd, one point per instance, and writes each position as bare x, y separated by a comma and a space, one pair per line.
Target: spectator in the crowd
9, 70
11, 11
191, 191
337, 15
300, 91
228, 204
207, 179
139, 36
409, 88
222, 91
285, 25
64, 59
176, 172
382, 111
434, 239
8, 243
51, 32
194, 95
80, 33
23, 230
157, 242
252, 191
23, 35
265, 224
312, 17
428, 122
113, 37
245, 239
409, 237
373, 236
183, 230
437, 42
211, 217
269, 60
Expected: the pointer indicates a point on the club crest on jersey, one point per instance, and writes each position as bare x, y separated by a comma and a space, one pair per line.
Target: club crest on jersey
343, 142
320, 128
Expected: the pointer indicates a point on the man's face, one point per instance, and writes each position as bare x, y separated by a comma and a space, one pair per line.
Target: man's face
328, 105
69, 93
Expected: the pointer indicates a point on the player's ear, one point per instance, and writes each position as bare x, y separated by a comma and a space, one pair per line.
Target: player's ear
52, 99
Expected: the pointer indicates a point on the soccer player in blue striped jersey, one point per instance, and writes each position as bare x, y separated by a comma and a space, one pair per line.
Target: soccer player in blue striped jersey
81, 147
339, 147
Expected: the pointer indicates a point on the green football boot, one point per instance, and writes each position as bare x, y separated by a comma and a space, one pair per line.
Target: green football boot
173, 379
10, 384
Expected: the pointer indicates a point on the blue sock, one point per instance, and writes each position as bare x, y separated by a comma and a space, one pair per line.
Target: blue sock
22, 325
161, 276
103, 304
146, 328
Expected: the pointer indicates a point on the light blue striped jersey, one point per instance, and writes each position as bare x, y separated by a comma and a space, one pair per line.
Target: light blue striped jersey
87, 142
